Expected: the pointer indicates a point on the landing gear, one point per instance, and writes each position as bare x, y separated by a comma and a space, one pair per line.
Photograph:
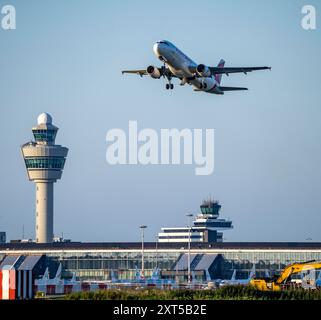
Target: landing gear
203, 85
168, 75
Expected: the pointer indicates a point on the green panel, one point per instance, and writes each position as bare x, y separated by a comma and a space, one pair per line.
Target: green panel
45, 163
44, 135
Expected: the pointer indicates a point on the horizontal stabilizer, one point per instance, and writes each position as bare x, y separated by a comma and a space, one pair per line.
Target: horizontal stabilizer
232, 88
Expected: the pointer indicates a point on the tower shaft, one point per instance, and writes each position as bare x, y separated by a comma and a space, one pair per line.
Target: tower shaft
44, 211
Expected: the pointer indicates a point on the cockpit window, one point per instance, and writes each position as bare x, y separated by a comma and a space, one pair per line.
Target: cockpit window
164, 42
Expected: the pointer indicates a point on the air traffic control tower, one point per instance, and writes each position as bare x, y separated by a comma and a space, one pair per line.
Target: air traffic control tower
44, 161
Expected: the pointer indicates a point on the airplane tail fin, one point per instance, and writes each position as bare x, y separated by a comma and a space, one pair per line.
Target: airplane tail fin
46, 275
73, 278
58, 273
233, 275
155, 274
252, 273
218, 77
112, 275
138, 274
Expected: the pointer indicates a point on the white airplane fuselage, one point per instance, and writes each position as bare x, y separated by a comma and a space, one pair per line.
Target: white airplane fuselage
240, 282
180, 65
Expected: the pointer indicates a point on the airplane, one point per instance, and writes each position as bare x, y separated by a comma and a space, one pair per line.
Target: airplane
216, 282
178, 65
308, 279
238, 282
136, 279
154, 280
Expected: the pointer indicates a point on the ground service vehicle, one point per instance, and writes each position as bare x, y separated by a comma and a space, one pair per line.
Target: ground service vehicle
280, 282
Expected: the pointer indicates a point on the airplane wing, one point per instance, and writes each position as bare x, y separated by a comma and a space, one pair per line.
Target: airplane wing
232, 88
218, 70
142, 72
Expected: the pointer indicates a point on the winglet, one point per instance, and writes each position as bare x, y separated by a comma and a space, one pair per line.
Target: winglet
218, 77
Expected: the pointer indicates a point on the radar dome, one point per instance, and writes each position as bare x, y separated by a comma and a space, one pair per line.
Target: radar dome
44, 118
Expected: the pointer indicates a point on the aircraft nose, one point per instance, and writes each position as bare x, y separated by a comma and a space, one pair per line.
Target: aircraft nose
156, 49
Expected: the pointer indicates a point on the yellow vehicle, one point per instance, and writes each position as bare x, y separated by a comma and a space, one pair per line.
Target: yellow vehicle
280, 282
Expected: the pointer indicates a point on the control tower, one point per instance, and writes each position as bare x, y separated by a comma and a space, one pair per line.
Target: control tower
207, 227
44, 161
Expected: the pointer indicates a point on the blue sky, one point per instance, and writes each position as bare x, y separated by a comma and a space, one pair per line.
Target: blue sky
65, 58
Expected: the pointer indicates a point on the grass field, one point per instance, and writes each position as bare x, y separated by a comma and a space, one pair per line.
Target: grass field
225, 293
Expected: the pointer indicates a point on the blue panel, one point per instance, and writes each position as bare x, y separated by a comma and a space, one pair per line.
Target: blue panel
29, 262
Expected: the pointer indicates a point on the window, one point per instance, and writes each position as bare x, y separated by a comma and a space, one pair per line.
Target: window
45, 163
44, 135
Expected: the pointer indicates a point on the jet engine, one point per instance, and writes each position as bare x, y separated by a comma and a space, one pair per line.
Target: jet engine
153, 72
203, 70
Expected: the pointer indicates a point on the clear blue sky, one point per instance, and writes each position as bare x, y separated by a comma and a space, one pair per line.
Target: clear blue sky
65, 58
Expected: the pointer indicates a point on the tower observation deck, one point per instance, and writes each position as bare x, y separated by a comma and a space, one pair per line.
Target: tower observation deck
44, 162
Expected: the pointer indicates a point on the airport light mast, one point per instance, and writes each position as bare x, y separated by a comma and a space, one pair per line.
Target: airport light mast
189, 248
142, 228
44, 162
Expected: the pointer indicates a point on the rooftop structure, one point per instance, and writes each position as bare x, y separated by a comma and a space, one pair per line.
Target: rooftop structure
206, 228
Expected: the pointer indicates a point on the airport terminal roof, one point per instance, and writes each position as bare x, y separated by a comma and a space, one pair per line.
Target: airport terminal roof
29, 262
152, 245
9, 261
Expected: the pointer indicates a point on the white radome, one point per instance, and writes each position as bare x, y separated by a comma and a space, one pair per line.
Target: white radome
44, 118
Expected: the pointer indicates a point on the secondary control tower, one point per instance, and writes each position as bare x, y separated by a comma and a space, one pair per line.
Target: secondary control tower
44, 162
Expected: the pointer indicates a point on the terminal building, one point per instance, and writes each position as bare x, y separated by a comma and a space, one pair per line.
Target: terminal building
206, 228
98, 261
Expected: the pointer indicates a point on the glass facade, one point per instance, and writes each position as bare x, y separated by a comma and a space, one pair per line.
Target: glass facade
215, 224
44, 135
210, 207
45, 163
266, 261
124, 264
